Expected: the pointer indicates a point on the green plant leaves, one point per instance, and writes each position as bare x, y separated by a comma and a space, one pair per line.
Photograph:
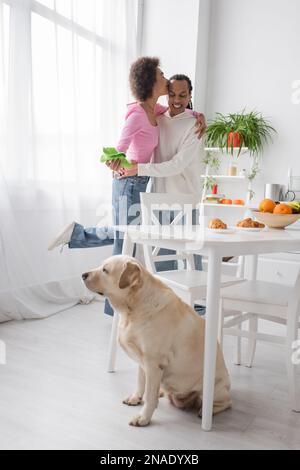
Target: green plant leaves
254, 129
110, 153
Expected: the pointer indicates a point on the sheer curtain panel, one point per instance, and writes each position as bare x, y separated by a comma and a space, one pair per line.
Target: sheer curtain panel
63, 91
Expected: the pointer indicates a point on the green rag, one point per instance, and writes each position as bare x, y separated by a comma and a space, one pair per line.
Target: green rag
110, 153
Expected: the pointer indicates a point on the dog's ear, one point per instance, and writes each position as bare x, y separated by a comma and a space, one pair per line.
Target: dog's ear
131, 275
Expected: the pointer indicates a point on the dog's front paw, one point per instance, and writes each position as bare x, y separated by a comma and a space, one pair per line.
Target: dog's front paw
139, 420
133, 400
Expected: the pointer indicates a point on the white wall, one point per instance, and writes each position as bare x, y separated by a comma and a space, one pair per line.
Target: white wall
170, 32
253, 62
254, 58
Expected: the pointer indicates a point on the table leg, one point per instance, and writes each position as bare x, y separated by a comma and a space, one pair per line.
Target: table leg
211, 334
128, 246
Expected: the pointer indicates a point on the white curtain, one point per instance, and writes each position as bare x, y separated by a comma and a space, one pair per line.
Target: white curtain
63, 92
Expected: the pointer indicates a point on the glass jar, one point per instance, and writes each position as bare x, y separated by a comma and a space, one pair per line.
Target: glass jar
232, 170
233, 166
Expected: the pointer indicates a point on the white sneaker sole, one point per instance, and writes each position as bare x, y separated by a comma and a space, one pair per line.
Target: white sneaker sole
63, 237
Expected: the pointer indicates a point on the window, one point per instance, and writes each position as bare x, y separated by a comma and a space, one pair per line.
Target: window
79, 53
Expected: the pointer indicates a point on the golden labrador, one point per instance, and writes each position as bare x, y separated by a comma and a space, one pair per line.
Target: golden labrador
162, 334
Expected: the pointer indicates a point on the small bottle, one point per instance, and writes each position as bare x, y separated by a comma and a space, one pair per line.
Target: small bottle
214, 189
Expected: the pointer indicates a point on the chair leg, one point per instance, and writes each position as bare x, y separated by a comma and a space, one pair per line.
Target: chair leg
112, 351
253, 324
292, 336
238, 359
221, 323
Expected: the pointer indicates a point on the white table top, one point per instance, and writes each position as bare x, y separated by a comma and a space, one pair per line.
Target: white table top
197, 239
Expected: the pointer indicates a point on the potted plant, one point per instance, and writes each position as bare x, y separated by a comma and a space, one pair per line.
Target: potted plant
239, 130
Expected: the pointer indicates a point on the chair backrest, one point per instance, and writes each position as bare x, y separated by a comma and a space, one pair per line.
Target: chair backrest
295, 298
167, 209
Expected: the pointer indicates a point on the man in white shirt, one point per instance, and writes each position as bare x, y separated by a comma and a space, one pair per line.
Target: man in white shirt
176, 163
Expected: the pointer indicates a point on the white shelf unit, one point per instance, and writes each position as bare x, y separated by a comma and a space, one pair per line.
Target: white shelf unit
228, 206
235, 150
227, 178
233, 211
228, 212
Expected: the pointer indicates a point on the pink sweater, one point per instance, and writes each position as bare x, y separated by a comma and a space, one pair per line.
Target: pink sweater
138, 136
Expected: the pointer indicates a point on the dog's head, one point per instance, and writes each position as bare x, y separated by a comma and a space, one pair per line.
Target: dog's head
116, 277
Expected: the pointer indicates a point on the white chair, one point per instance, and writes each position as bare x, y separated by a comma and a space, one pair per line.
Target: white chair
188, 283
254, 300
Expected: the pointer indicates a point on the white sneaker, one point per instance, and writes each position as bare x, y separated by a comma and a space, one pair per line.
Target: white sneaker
63, 237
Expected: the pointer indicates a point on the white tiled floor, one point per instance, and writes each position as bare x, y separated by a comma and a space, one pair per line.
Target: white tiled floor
55, 394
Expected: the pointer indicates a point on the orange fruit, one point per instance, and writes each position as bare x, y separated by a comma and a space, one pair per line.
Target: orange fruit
282, 209
266, 205
238, 202
226, 201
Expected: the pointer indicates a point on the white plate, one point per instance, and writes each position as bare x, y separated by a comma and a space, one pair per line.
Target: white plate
250, 229
220, 230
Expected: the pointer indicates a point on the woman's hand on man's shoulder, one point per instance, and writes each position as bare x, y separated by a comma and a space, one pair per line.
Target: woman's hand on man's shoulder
200, 124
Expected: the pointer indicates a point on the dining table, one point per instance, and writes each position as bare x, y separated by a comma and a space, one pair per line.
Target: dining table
214, 245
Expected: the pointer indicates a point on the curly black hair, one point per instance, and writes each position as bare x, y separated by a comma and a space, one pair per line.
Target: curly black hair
181, 76
142, 77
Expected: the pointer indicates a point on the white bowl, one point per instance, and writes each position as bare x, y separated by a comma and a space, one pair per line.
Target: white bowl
275, 220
